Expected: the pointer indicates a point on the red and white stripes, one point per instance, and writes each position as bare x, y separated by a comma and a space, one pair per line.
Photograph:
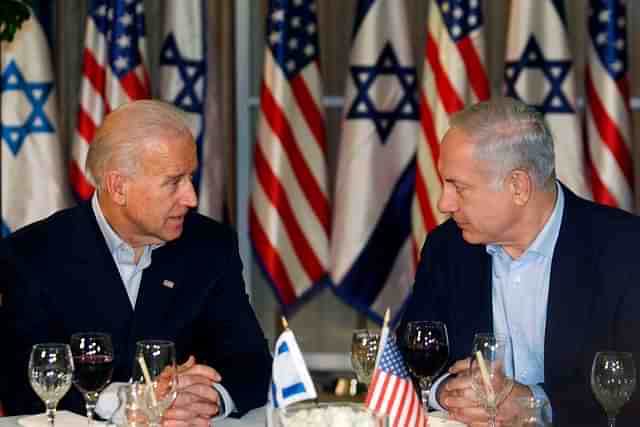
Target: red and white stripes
608, 126
289, 214
101, 89
454, 76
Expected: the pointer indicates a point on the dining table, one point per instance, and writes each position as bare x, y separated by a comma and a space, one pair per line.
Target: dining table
254, 418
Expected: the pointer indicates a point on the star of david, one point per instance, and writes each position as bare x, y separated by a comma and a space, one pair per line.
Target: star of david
190, 72
37, 94
364, 107
554, 71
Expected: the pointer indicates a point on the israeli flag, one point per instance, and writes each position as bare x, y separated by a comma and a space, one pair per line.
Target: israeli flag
291, 381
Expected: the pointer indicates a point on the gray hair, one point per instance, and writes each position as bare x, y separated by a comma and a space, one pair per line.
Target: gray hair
510, 135
127, 131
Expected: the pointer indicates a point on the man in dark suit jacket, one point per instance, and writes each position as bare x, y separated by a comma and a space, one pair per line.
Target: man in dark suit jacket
499, 188
76, 271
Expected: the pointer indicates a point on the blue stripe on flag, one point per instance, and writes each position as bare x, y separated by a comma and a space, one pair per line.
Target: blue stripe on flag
361, 11
274, 399
292, 390
362, 284
284, 348
5, 229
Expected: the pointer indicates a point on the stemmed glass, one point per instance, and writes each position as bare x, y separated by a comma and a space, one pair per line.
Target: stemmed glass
93, 358
364, 348
425, 345
50, 371
613, 381
160, 379
491, 371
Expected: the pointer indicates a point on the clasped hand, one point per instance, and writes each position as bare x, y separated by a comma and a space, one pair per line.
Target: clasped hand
197, 400
457, 396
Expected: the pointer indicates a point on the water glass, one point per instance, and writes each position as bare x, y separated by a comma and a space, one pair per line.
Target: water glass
160, 381
364, 349
613, 381
50, 372
491, 371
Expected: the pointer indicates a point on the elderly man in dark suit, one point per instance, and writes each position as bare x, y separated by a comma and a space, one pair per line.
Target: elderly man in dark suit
138, 263
523, 256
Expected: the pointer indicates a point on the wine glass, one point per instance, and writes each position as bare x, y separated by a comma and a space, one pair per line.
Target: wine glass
491, 371
364, 349
158, 359
613, 381
50, 371
93, 359
425, 346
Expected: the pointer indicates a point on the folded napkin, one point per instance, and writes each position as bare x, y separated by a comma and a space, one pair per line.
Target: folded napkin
63, 418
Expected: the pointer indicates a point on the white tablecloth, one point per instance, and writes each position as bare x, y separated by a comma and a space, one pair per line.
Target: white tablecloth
255, 418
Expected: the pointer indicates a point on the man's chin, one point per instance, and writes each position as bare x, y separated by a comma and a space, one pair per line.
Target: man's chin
471, 237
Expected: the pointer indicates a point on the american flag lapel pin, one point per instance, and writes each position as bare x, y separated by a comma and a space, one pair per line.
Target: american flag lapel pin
168, 284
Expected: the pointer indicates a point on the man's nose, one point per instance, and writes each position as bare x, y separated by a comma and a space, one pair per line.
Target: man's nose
447, 203
190, 198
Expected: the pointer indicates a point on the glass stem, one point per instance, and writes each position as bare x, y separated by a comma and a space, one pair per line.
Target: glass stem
51, 413
425, 390
90, 403
492, 417
611, 421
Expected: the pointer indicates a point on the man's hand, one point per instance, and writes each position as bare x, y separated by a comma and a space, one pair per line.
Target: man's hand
197, 400
457, 396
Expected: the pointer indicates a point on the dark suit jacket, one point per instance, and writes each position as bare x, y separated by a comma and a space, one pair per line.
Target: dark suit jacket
593, 302
61, 279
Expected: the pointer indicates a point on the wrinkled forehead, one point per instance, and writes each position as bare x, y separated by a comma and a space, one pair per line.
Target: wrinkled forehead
457, 155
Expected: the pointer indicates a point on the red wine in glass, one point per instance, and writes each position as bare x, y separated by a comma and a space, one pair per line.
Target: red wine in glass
426, 362
93, 357
425, 345
92, 372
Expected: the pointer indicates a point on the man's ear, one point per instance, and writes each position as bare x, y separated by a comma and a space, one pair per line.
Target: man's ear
520, 185
115, 185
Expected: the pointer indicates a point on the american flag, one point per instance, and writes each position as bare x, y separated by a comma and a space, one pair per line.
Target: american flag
113, 73
372, 265
289, 208
609, 149
539, 72
391, 391
454, 76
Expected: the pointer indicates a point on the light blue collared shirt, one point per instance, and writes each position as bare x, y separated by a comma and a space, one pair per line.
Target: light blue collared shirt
123, 254
519, 294
520, 288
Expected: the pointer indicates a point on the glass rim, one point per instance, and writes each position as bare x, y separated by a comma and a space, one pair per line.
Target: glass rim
365, 330
426, 322
613, 353
91, 334
159, 343
496, 336
50, 345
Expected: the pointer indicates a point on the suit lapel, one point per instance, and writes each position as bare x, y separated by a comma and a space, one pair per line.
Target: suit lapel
96, 273
570, 291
